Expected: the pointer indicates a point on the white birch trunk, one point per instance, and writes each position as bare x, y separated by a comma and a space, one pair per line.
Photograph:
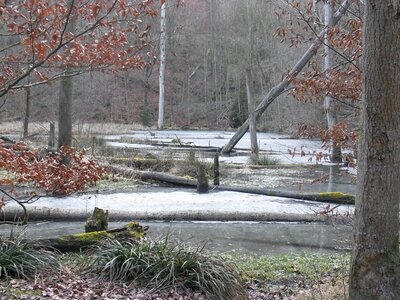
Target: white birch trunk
160, 123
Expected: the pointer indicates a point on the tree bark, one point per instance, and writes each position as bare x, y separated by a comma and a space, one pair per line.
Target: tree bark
163, 38
375, 259
280, 88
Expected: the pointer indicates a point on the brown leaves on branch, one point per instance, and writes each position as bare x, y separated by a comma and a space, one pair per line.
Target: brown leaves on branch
341, 134
108, 35
49, 172
337, 83
343, 81
303, 22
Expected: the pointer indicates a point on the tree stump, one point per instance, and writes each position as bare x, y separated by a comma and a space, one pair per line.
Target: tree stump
202, 180
216, 168
98, 221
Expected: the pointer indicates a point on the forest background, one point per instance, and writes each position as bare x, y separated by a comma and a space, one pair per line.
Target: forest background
205, 87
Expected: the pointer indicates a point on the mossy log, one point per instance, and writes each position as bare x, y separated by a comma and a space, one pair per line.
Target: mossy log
329, 197
80, 241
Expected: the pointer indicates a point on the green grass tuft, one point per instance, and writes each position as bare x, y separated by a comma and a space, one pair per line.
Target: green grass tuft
20, 259
263, 160
161, 265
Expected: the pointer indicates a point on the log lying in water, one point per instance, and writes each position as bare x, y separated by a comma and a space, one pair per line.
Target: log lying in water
77, 242
330, 197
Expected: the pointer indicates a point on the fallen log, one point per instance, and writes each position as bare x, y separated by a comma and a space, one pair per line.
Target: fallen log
80, 241
329, 197
156, 176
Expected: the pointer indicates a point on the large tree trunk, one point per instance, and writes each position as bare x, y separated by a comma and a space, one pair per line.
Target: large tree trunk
163, 38
375, 258
280, 88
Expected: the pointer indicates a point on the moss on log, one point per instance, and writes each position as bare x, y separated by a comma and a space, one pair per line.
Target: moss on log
77, 242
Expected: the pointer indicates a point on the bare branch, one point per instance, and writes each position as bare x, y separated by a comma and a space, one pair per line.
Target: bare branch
25, 214
320, 37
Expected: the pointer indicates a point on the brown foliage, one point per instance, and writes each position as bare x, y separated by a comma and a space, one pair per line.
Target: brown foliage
341, 134
108, 35
50, 172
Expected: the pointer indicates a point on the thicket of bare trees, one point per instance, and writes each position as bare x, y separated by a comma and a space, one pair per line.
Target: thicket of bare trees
205, 78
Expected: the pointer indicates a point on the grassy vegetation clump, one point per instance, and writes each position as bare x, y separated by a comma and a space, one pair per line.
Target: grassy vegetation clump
190, 166
19, 259
144, 163
263, 160
161, 265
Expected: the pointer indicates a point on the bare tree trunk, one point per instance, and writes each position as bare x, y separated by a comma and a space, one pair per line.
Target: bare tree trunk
250, 87
27, 111
329, 105
65, 112
375, 271
280, 88
206, 53
252, 119
65, 100
163, 38
52, 136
